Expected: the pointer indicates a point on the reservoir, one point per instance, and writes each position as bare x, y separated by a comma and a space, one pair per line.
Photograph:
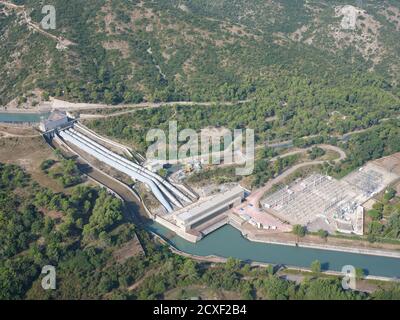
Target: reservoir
228, 242
22, 117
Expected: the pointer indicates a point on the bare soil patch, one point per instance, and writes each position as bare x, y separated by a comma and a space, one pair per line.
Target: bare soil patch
130, 249
29, 153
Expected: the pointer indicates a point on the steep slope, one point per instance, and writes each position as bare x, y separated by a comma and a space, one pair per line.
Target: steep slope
127, 51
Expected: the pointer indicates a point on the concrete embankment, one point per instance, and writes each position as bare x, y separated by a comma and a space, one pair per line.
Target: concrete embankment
372, 252
211, 258
217, 259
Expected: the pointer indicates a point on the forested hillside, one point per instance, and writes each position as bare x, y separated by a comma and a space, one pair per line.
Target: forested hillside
123, 51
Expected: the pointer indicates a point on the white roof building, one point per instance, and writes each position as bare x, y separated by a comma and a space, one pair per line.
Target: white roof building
56, 119
205, 210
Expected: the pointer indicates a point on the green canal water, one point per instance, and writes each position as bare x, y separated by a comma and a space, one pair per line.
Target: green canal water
22, 117
229, 242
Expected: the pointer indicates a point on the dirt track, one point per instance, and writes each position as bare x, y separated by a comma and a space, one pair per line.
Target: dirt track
4, 134
64, 105
322, 146
61, 41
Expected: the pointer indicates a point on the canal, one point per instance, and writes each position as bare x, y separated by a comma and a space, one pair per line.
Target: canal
229, 242
22, 117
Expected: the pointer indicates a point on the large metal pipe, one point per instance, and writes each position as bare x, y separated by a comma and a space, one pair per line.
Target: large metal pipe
119, 166
165, 182
132, 165
168, 185
116, 144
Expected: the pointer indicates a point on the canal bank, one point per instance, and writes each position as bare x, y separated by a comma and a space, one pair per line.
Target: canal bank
229, 242
216, 259
372, 252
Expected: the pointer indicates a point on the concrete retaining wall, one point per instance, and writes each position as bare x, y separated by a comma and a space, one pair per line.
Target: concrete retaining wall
372, 252
177, 230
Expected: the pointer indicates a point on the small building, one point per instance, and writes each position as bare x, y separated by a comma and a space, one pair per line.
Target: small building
55, 120
154, 166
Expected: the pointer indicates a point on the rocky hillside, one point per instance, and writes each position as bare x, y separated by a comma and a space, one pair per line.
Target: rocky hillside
120, 51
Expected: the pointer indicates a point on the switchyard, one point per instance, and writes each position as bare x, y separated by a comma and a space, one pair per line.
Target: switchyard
322, 202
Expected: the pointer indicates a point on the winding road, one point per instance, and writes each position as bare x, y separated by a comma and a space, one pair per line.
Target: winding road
68, 106
343, 137
62, 42
322, 146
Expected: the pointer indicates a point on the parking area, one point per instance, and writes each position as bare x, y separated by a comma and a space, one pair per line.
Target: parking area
260, 219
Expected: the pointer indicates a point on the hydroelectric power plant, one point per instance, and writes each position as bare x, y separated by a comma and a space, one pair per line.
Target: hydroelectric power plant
181, 210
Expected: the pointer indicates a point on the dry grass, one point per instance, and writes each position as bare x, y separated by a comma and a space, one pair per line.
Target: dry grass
130, 249
29, 153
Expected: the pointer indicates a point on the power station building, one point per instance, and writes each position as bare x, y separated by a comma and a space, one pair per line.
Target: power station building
199, 213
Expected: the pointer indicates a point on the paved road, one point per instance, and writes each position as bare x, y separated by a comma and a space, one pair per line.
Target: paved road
133, 107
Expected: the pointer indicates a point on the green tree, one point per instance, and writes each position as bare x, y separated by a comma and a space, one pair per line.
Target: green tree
232, 264
276, 289
323, 234
390, 194
375, 214
316, 266
299, 230
391, 293
360, 274
106, 213
189, 271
